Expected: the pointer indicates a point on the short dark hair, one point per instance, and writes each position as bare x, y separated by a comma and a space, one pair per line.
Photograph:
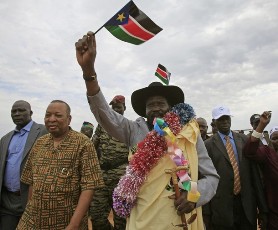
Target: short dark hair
67, 105
254, 117
25, 102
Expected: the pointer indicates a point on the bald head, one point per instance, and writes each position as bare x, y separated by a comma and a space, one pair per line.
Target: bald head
202, 120
21, 113
25, 103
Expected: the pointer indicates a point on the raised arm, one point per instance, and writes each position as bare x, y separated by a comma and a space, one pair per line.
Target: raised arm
86, 55
113, 123
264, 120
252, 149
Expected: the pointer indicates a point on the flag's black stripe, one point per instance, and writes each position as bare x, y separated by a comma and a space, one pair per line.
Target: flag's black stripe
143, 19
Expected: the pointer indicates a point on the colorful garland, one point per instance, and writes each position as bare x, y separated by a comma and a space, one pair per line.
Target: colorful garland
148, 153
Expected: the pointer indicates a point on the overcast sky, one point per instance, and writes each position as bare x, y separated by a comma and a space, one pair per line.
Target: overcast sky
220, 52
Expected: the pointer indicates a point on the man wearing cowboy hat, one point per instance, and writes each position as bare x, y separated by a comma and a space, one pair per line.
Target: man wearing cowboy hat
149, 102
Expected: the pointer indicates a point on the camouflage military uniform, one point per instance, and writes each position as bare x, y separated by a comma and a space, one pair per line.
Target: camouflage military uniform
113, 159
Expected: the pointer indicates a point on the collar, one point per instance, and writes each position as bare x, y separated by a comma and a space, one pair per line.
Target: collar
26, 127
223, 135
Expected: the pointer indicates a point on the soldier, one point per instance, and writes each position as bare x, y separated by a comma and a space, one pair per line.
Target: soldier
113, 157
87, 129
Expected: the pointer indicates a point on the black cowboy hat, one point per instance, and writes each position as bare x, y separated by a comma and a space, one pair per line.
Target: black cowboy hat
173, 94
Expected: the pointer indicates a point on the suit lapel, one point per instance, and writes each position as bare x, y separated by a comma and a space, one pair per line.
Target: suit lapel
34, 132
220, 145
6, 145
3, 156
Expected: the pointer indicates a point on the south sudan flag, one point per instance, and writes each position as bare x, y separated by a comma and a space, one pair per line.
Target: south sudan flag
163, 74
131, 25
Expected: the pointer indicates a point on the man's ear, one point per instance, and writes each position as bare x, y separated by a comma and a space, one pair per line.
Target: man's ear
124, 107
31, 113
69, 119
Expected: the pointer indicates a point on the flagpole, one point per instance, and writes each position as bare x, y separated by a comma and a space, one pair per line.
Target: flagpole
99, 29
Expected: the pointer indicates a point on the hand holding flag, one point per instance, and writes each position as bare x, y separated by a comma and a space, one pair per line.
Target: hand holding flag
86, 53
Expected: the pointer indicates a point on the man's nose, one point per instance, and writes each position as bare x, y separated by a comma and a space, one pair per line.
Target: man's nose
156, 107
225, 122
52, 118
16, 112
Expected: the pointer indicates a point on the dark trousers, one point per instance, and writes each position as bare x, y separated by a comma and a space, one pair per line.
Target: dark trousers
240, 220
8, 222
10, 210
102, 203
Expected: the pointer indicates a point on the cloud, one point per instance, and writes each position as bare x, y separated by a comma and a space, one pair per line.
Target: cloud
219, 52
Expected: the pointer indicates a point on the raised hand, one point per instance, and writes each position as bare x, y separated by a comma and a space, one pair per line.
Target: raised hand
86, 53
265, 117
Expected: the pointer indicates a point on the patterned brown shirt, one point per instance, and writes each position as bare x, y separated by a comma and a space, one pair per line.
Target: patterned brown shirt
58, 175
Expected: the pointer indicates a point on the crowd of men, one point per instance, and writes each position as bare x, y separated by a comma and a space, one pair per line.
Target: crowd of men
52, 177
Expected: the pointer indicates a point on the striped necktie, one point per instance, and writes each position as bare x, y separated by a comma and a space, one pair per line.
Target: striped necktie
231, 154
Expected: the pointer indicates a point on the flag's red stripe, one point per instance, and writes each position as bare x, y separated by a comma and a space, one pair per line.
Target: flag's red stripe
137, 30
162, 73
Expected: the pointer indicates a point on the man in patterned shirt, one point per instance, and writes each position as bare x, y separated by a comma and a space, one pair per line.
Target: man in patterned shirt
113, 158
62, 172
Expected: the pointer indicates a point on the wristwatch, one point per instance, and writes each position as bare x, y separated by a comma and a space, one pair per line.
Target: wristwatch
90, 78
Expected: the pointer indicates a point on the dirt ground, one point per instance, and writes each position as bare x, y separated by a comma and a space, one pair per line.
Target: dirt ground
110, 218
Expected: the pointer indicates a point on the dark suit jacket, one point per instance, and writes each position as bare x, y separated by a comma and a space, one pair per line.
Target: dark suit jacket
36, 131
221, 205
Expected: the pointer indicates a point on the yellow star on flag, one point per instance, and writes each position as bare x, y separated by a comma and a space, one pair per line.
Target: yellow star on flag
121, 17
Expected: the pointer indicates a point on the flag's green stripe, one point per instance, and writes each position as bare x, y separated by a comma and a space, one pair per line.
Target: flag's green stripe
120, 34
160, 76
158, 73
162, 79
